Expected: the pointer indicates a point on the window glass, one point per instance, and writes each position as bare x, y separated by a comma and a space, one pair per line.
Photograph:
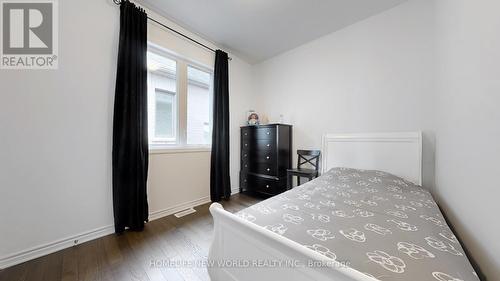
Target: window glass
199, 100
164, 118
162, 99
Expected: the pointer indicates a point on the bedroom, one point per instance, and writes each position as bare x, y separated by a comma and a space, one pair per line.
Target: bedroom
335, 67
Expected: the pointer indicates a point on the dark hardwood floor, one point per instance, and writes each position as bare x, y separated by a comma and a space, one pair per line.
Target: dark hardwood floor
135, 255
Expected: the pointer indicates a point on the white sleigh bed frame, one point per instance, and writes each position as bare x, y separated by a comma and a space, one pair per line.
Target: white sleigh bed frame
238, 242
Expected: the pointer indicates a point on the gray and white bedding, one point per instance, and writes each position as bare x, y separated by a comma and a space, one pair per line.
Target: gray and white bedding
372, 221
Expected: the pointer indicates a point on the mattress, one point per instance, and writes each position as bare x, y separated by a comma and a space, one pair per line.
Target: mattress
371, 221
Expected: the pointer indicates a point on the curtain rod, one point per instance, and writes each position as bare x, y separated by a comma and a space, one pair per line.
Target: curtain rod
118, 2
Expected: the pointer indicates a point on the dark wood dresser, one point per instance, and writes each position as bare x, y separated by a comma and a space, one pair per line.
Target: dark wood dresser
266, 154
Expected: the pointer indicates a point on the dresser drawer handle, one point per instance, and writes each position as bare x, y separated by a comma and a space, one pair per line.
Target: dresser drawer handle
268, 133
244, 155
246, 144
268, 145
246, 134
267, 185
268, 169
267, 157
246, 165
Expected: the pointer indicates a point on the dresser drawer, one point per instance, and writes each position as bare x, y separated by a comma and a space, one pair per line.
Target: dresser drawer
263, 157
268, 169
265, 145
245, 165
246, 144
258, 145
265, 133
245, 155
265, 168
243, 181
246, 133
263, 185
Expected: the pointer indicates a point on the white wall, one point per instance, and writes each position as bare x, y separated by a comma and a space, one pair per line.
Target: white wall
431, 65
468, 124
56, 135
376, 75
180, 179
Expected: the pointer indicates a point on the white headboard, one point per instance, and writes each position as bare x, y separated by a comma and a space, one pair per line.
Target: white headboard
396, 153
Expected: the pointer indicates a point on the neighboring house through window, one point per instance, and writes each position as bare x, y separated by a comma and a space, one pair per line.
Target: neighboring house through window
179, 101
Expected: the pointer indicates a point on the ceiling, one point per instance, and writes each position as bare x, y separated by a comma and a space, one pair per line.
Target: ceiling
257, 30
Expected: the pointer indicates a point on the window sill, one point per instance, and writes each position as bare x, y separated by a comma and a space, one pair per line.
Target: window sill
179, 149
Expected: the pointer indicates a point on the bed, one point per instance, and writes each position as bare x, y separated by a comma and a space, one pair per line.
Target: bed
365, 218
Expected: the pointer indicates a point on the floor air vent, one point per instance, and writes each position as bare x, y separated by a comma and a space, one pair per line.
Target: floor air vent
184, 213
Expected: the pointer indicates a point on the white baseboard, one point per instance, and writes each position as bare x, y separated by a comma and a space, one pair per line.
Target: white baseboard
177, 208
181, 207
50, 248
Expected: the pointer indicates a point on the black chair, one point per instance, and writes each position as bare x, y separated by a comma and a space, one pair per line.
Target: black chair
310, 157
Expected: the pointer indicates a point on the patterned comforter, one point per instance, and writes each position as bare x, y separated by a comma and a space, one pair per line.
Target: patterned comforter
372, 221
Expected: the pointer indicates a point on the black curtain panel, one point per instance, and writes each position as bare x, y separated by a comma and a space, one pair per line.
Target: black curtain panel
220, 186
130, 123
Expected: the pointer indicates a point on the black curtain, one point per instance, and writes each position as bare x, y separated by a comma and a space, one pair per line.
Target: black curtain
220, 186
130, 123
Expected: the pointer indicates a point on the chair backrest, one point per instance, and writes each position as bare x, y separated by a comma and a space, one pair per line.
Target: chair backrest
308, 157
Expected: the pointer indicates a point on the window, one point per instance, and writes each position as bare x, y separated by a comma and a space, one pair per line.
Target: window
162, 100
179, 101
199, 103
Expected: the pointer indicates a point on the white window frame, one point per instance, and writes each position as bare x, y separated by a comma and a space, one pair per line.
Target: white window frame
182, 63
